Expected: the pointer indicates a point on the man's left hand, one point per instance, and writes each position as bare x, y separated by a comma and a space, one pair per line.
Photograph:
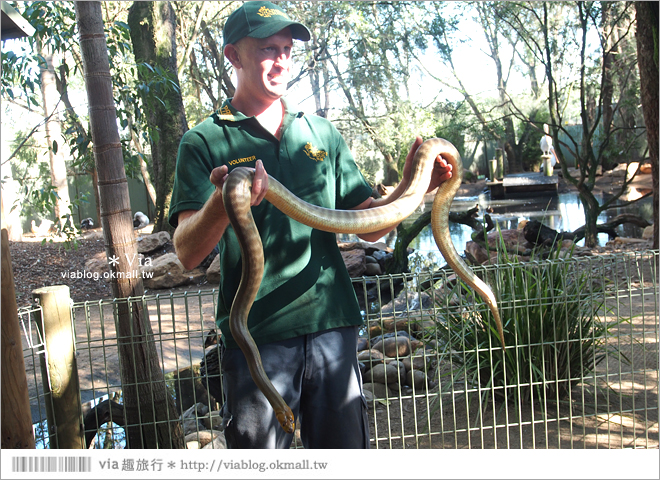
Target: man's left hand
441, 169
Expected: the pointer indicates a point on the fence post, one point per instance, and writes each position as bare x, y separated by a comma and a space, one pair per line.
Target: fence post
499, 156
16, 416
63, 408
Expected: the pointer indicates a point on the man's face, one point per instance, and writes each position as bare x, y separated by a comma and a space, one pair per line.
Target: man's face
265, 64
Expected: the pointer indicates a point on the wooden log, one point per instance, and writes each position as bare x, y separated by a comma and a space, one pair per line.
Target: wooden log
60, 368
16, 417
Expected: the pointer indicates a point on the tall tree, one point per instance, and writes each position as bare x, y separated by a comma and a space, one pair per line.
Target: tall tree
370, 62
55, 140
647, 59
153, 34
579, 88
149, 409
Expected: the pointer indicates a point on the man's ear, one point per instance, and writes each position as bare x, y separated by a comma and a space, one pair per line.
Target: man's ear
232, 54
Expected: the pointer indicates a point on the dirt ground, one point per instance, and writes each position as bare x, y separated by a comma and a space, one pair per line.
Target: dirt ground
181, 320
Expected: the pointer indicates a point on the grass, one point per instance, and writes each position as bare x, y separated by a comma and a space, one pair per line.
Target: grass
553, 329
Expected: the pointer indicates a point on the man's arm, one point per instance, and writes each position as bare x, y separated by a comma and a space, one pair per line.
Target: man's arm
199, 231
441, 173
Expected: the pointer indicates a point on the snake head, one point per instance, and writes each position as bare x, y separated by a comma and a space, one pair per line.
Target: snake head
285, 417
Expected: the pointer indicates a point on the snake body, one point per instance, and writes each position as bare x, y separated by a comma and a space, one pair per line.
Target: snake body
386, 213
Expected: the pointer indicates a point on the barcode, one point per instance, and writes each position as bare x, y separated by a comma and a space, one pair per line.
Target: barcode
51, 464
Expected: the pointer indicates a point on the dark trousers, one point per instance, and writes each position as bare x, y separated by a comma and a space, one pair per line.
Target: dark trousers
319, 378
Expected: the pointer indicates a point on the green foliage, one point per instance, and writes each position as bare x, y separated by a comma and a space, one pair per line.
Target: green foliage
553, 327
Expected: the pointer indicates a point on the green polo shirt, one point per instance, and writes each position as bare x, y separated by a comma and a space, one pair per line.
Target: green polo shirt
306, 287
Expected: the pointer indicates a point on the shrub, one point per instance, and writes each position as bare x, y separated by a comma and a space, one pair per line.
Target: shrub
553, 329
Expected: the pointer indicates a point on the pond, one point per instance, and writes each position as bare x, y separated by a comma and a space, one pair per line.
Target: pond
562, 212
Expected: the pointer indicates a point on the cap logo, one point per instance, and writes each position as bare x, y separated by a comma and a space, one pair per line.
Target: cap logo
269, 12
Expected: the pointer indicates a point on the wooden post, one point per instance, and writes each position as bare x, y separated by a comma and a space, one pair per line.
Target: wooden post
63, 408
499, 155
16, 416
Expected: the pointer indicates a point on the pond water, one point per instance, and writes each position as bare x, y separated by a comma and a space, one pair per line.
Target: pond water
563, 212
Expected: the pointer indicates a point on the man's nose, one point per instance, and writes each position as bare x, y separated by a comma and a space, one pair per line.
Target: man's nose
282, 59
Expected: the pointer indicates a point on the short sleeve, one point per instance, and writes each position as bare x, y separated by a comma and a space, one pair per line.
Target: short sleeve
192, 186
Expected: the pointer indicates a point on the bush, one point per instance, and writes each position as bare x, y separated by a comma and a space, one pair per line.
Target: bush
553, 330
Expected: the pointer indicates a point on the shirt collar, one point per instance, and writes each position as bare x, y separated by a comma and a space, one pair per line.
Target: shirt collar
228, 113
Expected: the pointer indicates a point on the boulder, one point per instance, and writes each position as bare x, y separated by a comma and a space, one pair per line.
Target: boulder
416, 379
218, 443
363, 344
370, 357
379, 390
355, 262
213, 272
97, 266
167, 272
398, 346
393, 373
372, 269
149, 243
647, 234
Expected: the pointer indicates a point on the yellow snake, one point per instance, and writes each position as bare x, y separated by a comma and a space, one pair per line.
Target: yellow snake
386, 213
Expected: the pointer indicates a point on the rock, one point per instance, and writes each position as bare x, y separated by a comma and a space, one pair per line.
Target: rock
625, 241
631, 170
647, 234
355, 262
382, 257
149, 243
97, 266
476, 252
368, 396
378, 390
376, 249
390, 373
167, 272
218, 443
398, 346
372, 269
362, 344
391, 325
644, 169
514, 239
197, 440
619, 171
213, 272
417, 362
370, 357
416, 379
408, 300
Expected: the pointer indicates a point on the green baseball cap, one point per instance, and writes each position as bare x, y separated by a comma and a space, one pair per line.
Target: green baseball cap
260, 20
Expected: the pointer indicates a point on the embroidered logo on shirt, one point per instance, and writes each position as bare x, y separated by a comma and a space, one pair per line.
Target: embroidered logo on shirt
225, 114
269, 12
236, 161
314, 153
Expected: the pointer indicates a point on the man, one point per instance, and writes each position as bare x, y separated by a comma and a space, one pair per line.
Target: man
306, 317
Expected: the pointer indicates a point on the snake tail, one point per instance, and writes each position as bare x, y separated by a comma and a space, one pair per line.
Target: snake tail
236, 192
439, 226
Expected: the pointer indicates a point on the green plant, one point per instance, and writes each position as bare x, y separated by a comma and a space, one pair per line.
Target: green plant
553, 329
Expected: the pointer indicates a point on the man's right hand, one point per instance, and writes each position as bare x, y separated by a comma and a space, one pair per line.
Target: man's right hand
259, 183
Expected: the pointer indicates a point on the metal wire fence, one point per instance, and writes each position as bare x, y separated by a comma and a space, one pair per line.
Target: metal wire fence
580, 369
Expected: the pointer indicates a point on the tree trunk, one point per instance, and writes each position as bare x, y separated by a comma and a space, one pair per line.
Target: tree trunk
591, 211
153, 27
150, 413
647, 61
56, 143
